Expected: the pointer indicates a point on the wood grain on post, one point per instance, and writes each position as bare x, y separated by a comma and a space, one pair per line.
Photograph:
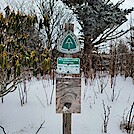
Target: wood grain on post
67, 123
69, 26
67, 116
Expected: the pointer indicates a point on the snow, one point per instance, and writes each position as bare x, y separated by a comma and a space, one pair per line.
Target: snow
17, 119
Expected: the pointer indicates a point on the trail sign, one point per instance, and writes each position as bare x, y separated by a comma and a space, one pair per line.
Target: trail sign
68, 43
68, 65
68, 95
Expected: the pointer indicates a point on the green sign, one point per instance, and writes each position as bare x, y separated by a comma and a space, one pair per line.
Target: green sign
68, 61
68, 43
68, 65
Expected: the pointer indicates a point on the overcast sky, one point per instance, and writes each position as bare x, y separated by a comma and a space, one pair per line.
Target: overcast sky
126, 4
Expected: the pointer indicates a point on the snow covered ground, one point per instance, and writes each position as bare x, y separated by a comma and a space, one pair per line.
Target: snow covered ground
17, 119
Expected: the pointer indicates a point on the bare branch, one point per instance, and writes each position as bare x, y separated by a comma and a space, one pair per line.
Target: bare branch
40, 101
3, 129
106, 116
40, 127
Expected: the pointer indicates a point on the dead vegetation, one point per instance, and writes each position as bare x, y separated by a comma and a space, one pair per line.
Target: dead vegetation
127, 124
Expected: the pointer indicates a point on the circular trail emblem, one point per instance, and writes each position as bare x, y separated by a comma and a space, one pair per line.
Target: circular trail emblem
68, 43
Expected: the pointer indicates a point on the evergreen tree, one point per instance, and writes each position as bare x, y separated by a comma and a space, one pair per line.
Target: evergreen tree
18, 55
99, 20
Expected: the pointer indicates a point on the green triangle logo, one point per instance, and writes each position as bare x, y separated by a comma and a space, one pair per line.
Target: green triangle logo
69, 43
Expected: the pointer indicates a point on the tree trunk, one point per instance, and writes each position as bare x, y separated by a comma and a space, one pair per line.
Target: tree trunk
87, 60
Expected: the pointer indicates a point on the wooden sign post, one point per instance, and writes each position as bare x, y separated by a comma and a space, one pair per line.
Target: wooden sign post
68, 90
67, 119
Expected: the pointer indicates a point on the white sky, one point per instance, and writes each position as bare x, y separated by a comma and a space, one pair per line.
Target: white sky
126, 4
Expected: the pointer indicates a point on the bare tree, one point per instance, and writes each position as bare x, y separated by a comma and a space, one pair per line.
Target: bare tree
128, 121
106, 117
52, 16
18, 53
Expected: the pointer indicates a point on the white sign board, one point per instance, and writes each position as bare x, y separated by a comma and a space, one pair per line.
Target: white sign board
68, 43
68, 65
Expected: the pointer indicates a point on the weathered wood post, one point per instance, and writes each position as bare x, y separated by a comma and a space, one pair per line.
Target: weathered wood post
68, 89
67, 117
67, 120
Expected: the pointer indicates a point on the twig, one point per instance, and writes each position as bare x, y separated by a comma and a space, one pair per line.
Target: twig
94, 92
128, 98
124, 115
52, 95
130, 118
113, 95
85, 90
87, 98
44, 87
40, 127
107, 95
3, 129
98, 84
105, 84
40, 101
118, 94
127, 123
106, 116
